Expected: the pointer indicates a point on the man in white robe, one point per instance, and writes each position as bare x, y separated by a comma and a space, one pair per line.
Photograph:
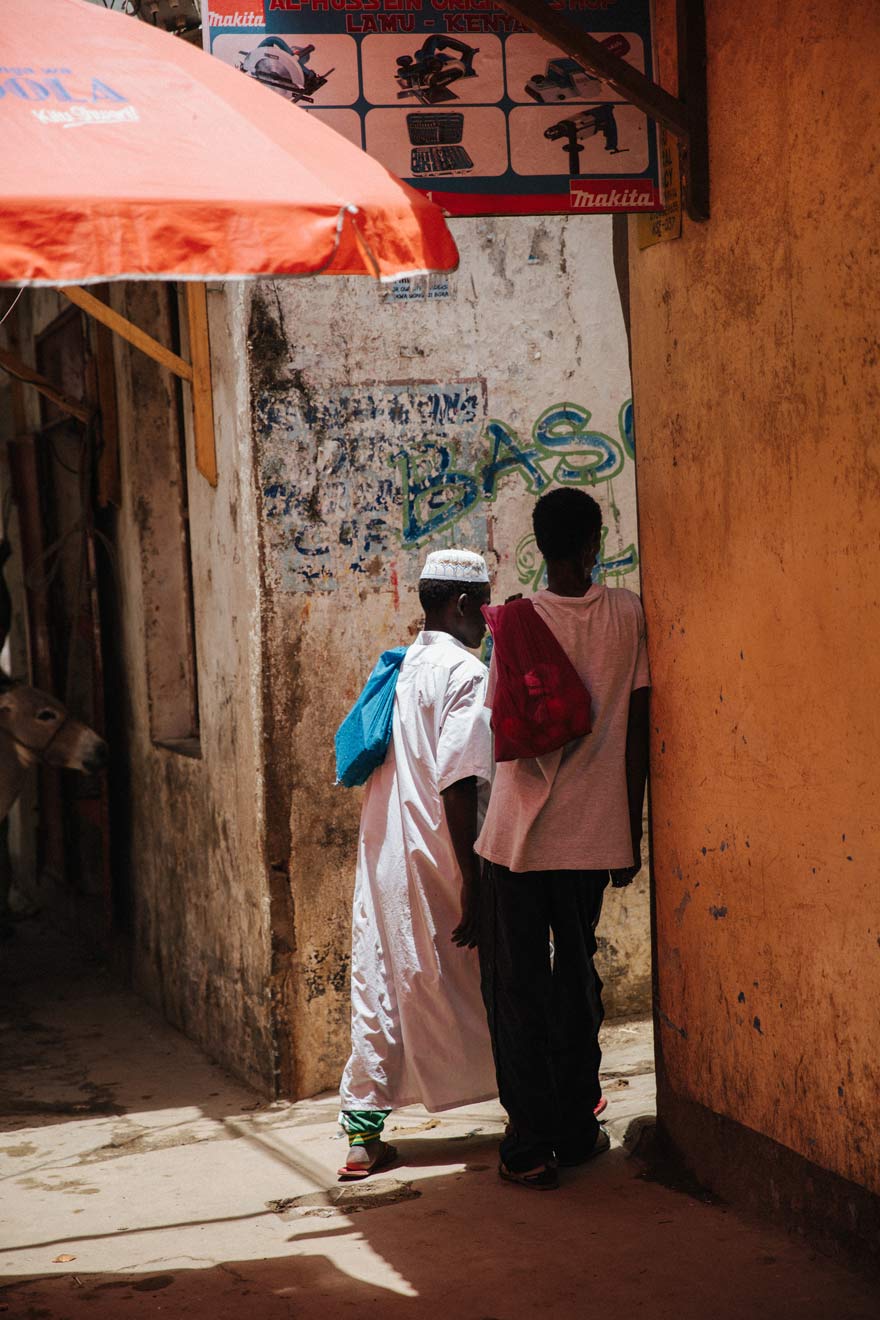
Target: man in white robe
418, 1026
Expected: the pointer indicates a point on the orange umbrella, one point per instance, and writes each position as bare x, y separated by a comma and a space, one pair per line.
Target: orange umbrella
129, 153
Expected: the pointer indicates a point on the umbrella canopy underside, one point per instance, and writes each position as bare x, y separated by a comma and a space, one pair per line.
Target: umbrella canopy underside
128, 154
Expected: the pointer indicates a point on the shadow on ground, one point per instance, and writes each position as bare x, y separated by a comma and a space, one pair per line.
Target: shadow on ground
469, 1247
138, 1179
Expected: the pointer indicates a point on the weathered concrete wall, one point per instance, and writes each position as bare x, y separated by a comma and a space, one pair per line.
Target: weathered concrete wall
200, 913
385, 427
755, 363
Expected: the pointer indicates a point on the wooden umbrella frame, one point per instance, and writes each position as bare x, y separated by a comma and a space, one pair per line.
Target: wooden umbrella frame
196, 373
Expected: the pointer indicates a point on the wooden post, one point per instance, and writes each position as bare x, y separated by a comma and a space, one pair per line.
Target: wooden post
691, 36
109, 481
19, 411
202, 394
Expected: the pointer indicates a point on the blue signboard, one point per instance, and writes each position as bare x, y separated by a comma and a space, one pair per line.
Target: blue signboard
458, 98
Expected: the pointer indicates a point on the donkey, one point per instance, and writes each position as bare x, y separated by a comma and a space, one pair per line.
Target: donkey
35, 729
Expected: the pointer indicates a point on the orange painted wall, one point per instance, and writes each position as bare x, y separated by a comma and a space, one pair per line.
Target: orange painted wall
756, 364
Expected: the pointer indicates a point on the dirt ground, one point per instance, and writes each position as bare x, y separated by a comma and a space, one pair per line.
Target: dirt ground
138, 1179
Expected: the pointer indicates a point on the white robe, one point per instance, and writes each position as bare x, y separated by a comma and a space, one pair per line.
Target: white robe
418, 1027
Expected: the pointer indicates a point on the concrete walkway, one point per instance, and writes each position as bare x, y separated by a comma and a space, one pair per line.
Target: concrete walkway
138, 1179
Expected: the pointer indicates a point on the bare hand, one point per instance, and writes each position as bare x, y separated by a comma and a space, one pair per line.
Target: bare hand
621, 876
466, 933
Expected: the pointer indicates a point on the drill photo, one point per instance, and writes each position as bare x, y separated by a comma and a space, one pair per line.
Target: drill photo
576, 129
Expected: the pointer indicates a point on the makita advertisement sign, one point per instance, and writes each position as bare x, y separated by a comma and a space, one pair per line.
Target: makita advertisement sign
456, 97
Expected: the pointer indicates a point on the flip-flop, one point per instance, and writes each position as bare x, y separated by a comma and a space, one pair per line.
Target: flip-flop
541, 1180
385, 1155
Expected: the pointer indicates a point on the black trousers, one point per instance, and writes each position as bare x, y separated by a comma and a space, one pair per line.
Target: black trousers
544, 1017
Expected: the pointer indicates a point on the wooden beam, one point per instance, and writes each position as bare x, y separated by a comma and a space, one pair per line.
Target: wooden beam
14, 365
622, 77
202, 394
19, 410
692, 89
127, 330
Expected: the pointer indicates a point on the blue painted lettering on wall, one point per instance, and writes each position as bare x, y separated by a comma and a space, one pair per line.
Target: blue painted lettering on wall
585, 457
626, 426
506, 454
434, 496
447, 463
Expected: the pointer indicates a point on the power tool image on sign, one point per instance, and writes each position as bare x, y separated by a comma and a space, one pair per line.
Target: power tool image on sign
284, 68
574, 131
427, 74
566, 80
436, 143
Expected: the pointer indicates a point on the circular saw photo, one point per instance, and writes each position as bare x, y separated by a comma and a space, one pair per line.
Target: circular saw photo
284, 68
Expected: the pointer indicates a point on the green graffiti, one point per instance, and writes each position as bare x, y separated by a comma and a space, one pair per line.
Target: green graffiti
531, 569
563, 451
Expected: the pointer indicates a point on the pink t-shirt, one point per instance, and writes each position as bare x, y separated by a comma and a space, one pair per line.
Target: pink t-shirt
568, 811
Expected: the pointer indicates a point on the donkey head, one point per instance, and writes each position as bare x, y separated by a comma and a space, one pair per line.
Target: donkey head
39, 728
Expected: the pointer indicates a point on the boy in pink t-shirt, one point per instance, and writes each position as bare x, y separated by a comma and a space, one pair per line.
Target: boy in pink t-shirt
556, 826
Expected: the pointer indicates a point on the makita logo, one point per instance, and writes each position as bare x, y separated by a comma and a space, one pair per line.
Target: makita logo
227, 15
601, 196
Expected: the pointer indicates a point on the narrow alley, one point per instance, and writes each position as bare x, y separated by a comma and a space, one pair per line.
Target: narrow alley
335, 337
140, 1180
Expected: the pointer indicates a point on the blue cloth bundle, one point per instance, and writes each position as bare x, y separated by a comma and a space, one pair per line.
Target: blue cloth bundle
363, 736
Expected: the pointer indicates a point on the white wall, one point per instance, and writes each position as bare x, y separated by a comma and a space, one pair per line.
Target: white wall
377, 424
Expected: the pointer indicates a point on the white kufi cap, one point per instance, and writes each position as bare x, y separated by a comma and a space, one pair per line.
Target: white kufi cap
455, 566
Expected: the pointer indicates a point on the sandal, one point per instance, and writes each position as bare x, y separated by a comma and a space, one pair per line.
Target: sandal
366, 1158
601, 1144
540, 1180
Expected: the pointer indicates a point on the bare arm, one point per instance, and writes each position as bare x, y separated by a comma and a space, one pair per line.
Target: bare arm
637, 730
460, 806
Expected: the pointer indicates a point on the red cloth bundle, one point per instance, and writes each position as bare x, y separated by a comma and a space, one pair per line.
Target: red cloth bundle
539, 702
